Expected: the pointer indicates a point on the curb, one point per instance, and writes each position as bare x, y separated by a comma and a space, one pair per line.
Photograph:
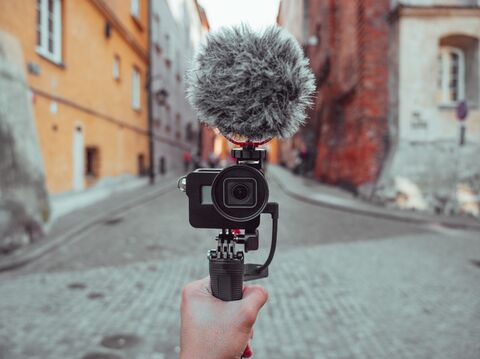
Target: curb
44, 246
381, 212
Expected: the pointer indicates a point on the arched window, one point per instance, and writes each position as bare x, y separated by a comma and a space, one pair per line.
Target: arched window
451, 75
458, 70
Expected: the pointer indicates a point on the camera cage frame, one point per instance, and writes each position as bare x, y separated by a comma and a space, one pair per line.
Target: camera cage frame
250, 155
239, 213
226, 265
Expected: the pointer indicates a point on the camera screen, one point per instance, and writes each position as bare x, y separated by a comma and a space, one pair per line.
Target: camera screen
206, 195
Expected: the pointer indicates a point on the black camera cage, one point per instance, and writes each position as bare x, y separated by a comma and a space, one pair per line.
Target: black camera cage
227, 268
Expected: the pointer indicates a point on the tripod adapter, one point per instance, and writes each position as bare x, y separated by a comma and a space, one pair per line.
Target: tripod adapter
232, 199
227, 268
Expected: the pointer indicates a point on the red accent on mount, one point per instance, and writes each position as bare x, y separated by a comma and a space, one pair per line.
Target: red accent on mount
248, 143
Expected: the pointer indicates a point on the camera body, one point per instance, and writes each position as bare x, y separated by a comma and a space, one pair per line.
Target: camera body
230, 198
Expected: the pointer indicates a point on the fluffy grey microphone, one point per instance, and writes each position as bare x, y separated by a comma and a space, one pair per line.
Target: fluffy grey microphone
256, 85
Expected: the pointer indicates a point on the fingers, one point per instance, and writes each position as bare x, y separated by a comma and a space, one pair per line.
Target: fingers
196, 288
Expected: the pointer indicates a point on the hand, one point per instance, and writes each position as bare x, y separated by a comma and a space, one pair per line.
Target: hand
214, 329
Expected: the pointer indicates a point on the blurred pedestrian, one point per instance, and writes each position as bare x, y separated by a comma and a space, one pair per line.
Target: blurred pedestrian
196, 160
187, 160
304, 160
212, 160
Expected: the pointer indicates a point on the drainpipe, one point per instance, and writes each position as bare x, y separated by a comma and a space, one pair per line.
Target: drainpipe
151, 144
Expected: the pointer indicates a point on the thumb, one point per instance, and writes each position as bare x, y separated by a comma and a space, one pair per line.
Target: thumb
254, 297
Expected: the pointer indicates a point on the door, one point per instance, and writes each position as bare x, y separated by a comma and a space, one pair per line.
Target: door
78, 159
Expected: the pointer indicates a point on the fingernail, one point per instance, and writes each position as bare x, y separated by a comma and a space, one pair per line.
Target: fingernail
247, 352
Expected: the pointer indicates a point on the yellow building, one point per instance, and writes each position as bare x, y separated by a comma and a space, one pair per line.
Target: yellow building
87, 63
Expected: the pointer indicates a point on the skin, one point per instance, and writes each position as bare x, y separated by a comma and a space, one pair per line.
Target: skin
214, 329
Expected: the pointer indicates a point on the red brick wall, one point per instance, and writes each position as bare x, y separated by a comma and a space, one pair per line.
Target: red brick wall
351, 65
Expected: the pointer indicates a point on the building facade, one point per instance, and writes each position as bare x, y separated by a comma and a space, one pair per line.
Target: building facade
390, 75
178, 27
347, 44
434, 65
87, 63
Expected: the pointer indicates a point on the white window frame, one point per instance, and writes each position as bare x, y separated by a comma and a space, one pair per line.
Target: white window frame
136, 85
54, 55
135, 8
156, 29
168, 45
116, 67
445, 63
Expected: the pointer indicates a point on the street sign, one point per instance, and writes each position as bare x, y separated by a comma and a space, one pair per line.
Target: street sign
462, 111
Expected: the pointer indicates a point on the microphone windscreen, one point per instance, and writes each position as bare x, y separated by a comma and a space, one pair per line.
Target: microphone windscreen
256, 85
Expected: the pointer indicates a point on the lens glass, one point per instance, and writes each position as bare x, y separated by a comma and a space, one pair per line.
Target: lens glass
240, 191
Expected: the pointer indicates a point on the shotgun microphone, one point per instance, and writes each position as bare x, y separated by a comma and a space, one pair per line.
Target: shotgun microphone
252, 85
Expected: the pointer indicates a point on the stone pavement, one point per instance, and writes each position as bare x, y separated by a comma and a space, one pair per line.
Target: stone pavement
71, 224
416, 296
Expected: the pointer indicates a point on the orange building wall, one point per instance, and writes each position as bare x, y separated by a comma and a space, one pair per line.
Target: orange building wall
83, 87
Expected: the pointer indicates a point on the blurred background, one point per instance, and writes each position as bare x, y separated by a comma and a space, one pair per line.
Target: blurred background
379, 192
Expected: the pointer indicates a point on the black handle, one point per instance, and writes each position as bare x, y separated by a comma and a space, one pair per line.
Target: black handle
226, 278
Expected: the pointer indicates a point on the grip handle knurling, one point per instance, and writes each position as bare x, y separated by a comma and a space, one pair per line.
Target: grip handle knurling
226, 278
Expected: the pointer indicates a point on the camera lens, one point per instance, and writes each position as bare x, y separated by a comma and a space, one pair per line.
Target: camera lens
240, 191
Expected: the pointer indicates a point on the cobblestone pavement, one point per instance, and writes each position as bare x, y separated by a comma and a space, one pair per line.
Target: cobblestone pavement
159, 230
341, 286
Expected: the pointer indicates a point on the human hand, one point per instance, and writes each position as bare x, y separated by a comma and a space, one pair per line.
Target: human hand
214, 329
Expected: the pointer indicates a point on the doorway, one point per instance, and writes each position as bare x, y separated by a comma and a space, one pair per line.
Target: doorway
78, 159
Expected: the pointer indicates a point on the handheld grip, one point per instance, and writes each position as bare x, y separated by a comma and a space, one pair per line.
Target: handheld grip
226, 278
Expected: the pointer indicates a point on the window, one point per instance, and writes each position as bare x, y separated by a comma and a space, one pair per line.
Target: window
142, 168
167, 46
178, 125
135, 8
189, 135
116, 67
49, 29
156, 29
451, 75
135, 89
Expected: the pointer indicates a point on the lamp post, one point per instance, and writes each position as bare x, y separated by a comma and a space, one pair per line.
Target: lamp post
160, 96
461, 114
151, 147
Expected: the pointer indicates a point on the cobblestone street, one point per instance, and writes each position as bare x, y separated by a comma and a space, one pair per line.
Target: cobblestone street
342, 285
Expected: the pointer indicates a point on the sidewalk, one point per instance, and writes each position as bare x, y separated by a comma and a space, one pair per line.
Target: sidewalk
97, 207
64, 203
328, 196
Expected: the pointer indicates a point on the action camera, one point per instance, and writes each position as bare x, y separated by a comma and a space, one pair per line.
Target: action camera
232, 199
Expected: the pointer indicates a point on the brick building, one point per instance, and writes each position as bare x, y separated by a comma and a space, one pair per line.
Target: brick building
389, 76
86, 64
347, 43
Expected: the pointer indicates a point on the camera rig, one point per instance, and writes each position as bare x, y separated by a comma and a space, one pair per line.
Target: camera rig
237, 196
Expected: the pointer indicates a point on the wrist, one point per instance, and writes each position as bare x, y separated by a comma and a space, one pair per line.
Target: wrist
210, 353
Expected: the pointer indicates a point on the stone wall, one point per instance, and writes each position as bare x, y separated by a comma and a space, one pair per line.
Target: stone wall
424, 131
23, 199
